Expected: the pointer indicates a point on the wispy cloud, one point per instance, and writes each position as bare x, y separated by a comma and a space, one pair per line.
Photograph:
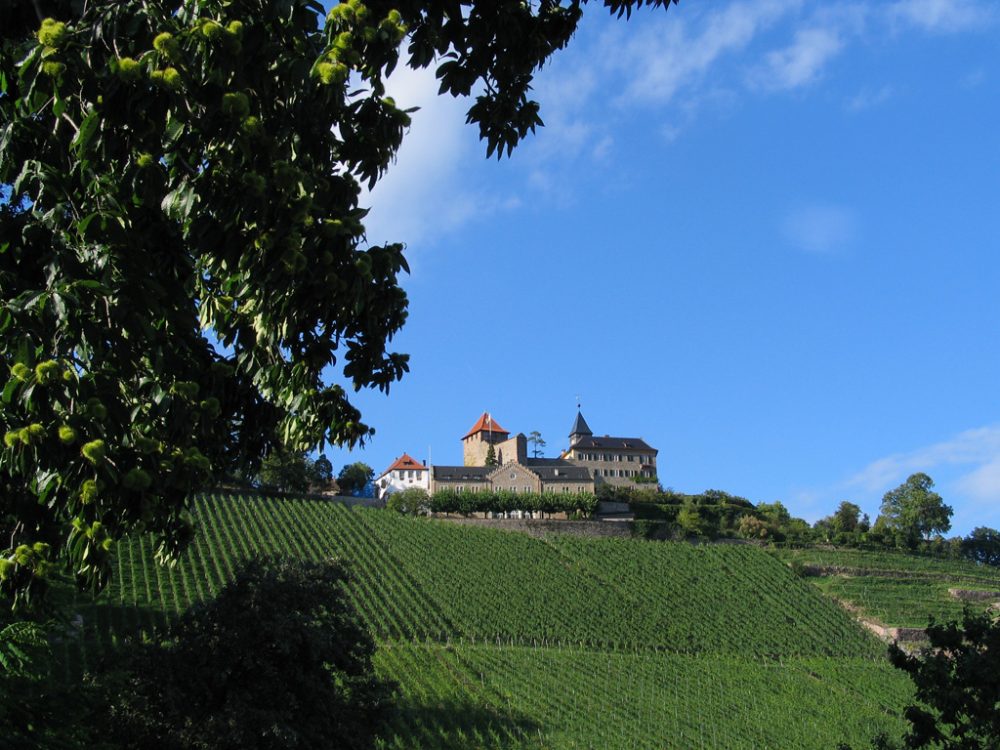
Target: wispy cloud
973, 79
942, 16
869, 98
675, 66
669, 56
977, 448
800, 62
426, 193
965, 467
983, 483
819, 229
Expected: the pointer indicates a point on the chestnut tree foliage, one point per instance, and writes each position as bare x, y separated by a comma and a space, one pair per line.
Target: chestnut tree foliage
183, 261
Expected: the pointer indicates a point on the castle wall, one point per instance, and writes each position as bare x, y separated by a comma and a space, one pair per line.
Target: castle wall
467, 484
514, 449
475, 447
568, 487
618, 467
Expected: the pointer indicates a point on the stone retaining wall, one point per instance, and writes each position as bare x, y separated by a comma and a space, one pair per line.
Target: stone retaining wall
967, 595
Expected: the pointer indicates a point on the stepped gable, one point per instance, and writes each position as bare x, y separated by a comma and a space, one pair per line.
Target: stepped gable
486, 423
406, 461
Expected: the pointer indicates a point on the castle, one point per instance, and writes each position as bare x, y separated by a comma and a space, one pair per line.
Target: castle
587, 463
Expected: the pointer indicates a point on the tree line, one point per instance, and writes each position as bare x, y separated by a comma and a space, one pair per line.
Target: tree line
912, 517
415, 501
297, 471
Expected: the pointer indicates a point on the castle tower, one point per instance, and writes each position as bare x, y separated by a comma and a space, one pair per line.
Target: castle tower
475, 444
580, 430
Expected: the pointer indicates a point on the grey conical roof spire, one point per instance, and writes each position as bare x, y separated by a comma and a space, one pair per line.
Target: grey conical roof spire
580, 426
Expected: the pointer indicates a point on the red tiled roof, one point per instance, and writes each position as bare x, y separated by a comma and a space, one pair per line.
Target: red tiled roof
485, 423
406, 461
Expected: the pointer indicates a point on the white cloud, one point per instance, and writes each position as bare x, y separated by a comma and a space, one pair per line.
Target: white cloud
973, 79
679, 65
426, 193
819, 229
663, 57
867, 98
602, 149
983, 483
979, 448
942, 16
800, 62
670, 133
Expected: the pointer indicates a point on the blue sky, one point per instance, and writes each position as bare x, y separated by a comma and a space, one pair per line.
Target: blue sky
762, 235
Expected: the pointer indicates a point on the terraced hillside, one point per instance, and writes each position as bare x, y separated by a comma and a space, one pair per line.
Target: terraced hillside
504, 641
897, 589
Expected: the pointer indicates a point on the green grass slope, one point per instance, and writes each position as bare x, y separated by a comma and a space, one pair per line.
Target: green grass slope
500, 640
893, 588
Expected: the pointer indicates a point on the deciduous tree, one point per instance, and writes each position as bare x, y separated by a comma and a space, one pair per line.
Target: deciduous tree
278, 659
913, 511
957, 688
353, 478
182, 251
286, 471
321, 473
983, 546
412, 501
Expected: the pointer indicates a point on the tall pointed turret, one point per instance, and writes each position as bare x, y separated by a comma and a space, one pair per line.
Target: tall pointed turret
580, 429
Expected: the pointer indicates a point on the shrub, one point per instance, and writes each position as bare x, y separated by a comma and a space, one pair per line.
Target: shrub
278, 659
505, 501
411, 501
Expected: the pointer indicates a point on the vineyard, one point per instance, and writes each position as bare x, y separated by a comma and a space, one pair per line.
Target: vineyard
501, 640
894, 588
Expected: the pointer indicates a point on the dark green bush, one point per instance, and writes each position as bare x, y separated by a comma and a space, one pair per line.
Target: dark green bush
277, 660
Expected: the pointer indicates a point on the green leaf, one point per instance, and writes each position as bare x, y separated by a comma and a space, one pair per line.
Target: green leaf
8, 391
90, 284
177, 204
173, 130
87, 129
58, 107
